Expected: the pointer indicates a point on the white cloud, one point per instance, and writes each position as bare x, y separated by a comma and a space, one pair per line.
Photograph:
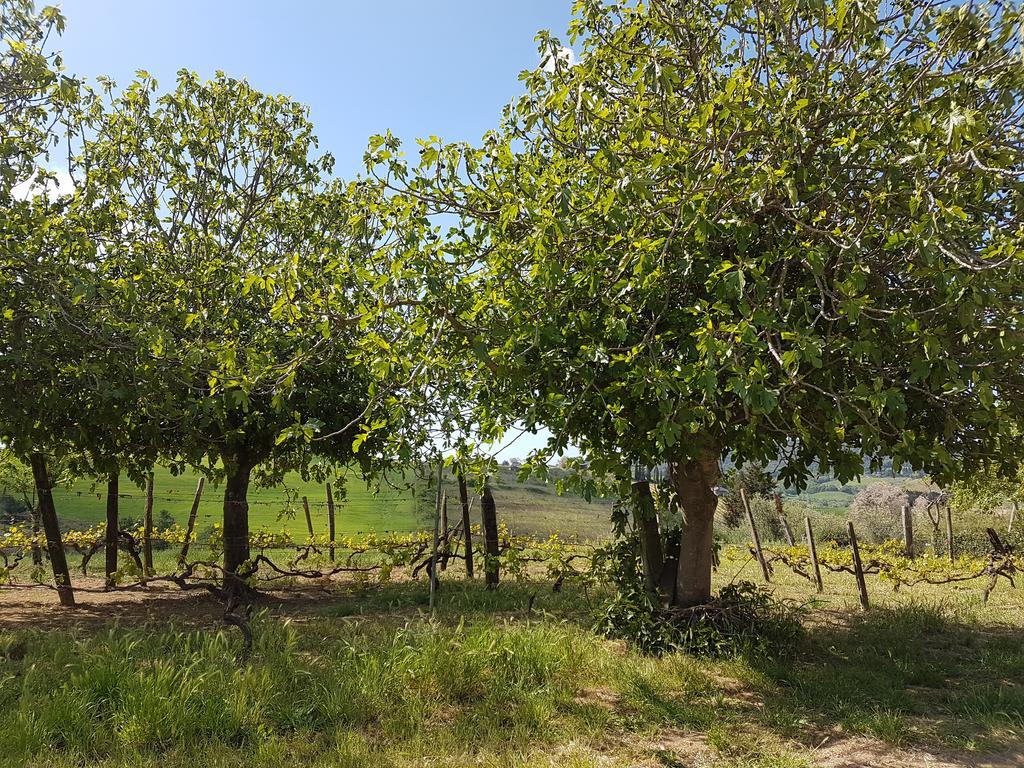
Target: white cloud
564, 54
59, 184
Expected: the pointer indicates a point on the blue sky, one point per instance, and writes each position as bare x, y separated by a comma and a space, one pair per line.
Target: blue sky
441, 68
415, 67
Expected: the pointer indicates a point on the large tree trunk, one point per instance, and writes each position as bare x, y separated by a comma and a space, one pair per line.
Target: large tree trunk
54, 545
466, 532
645, 520
694, 482
488, 511
236, 523
110, 544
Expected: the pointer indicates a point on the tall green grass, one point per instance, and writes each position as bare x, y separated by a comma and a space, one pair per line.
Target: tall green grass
127, 695
372, 681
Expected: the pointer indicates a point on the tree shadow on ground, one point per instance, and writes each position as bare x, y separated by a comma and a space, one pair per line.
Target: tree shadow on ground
909, 675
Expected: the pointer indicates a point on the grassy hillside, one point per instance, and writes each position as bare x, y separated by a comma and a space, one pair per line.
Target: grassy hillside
532, 507
360, 510
826, 494
529, 508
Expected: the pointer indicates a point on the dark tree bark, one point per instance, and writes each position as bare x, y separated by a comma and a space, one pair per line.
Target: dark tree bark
488, 511
236, 523
54, 545
110, 540
694, 481
147, 528
645, 520
464, 500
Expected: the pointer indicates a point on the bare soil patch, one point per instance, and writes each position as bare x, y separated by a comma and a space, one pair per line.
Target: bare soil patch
37, 606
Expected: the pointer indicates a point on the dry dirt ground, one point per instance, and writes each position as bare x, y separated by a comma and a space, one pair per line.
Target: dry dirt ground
37, 607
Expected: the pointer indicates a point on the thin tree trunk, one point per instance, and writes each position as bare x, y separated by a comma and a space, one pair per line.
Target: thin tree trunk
54, 545
645, 520
488, 511
147, 528
464, 500
694, 482
236, 524
110, 542
1013, 516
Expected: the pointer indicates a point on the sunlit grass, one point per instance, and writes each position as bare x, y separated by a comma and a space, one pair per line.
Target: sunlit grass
513, 677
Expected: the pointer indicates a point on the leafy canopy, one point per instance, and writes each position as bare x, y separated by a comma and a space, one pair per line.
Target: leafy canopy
764, 227
226, 257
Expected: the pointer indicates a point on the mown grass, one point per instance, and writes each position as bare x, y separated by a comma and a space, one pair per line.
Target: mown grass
514, 677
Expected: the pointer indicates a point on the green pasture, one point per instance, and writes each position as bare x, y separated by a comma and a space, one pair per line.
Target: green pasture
530, 508
359, 508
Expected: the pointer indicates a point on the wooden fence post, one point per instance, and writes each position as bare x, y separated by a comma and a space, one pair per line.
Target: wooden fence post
949, 532
489, 514
191, 521
757, 539
814, 555
908, 532
858, 569
466, 531
446, 546
147, 528
786, 530
433, 552
330, 520
309, 519
37, 552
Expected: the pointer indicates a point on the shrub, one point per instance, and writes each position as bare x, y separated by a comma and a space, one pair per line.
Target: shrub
743, 620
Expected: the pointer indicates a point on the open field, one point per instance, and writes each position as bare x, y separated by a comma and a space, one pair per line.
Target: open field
274, 508
350, 674
532, 508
